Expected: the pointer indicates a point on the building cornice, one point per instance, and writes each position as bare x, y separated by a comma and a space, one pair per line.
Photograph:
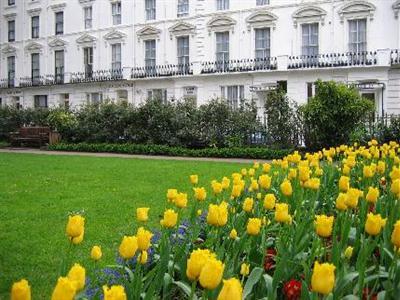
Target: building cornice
396, 8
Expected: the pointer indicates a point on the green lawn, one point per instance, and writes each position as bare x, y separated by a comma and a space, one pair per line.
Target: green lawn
38, 191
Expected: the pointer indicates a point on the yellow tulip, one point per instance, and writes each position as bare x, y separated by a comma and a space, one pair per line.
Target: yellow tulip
225, 183
264, 181
194, 179
374, 224
348, 253
233, 234
344, 183
143, 257
269, 201
324, 225
75, 226
216, 187
266, 168
196, 262
304, 173
248, 204
96, 253
142, 214
77, 240
395, 187
200, 193
381, 167
282, 213
211, 274
77, 274
323, 278
217, 214
244, 269
116, 292
171, 194
253, 226
341, 201
372, 195
286, 188
21, 290
143, 239
236, 191
128, 247
396, 234
65, 289
368, 172
292, 173
352, 197
181, 200
231, 290
243, 172
170, 219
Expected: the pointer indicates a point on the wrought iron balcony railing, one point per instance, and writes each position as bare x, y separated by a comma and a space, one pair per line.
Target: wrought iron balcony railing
333, 60
162, 71
239, 65
395, 57
96, 76
35, 81
7, 83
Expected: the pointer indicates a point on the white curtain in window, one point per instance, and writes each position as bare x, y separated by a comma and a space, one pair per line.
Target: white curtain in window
262, 43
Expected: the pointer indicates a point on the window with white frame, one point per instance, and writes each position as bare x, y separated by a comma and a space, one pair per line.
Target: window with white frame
94, 98
35, 23
11, 70
222, 46
150, 7
11, 30
310, 45
183, 50
116, 57
150, 54
59, 66
40, 101
116, 13
234, 95
88, 61
262, 43
183, 8
262, 2
88, 16
358, 35
59, 16
158, 94
222, 4
35, 67
11, 2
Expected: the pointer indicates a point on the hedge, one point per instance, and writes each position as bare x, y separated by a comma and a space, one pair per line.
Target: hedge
234, 152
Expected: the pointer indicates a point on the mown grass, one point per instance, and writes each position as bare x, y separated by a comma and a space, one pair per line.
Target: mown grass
38, 191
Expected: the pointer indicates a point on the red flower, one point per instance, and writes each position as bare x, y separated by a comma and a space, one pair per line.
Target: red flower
269, 260
368, 295
371, 208
292, 289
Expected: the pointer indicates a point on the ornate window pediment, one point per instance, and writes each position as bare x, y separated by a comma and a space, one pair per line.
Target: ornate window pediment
34, 11
34, 47
148, 33
58, 43
396, 8
261, 19
8, 49
10, 16
181, 28
86, 2
86, 40
357, 9
58, 7
309, 14
221, 23
115, 36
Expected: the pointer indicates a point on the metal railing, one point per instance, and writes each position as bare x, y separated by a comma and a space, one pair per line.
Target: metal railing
7, 83
162, 71
239, 65
96, 76
333, 60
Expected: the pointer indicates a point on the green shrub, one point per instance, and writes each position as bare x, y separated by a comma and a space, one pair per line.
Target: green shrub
126, 148
333, 114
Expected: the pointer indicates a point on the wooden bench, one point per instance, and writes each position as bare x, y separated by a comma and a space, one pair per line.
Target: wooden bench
30, 135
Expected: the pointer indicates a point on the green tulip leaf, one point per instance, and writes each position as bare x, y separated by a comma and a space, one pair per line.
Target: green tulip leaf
254, 277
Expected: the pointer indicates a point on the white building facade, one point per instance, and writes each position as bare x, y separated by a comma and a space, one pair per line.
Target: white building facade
71, 52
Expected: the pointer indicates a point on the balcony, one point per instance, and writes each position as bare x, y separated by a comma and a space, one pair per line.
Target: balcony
162, 71
239, 65
41, 80
7, 83
333, 60
97, 76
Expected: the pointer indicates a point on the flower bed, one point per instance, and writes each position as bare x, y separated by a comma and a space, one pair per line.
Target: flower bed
323, 225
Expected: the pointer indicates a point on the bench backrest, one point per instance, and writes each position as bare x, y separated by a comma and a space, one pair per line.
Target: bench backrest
34, 131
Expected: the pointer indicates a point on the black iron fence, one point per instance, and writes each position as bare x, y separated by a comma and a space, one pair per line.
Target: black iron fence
97, 76
395, 57
333, 60
239, 65
162, 71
